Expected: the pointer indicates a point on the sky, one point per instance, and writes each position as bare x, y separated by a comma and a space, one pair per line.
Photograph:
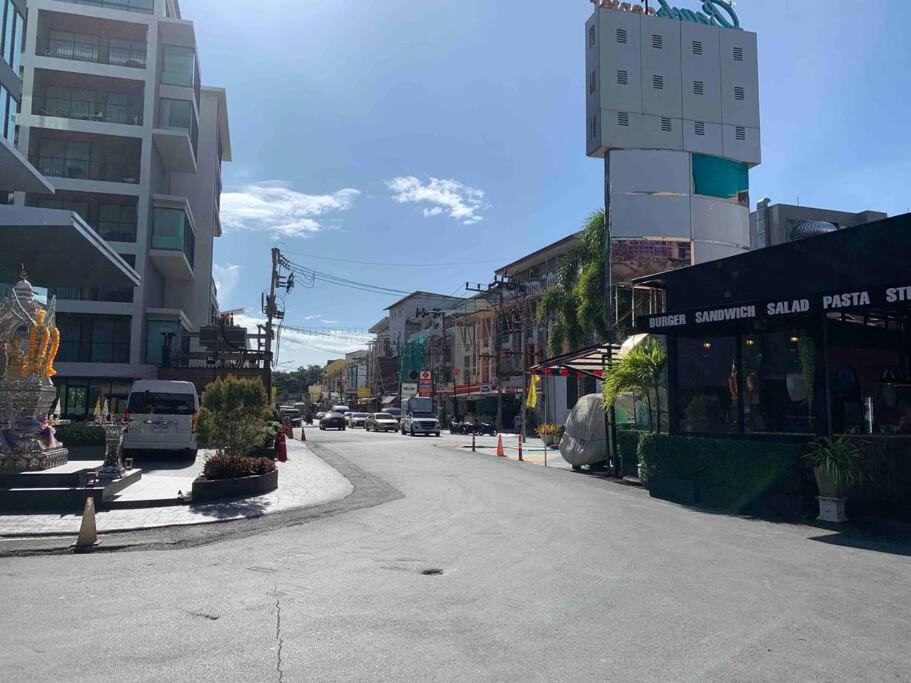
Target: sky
420, 144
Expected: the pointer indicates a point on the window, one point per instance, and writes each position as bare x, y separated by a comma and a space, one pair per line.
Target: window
740, 133
117, 222
592, 82
697, 47
665, 124
738, 54
172, 232
8, 108
71, 103
157, 333
658, 82
127, 52
657, 41
622, 77
591, 36
178, 66
79, 46
178, 115
622, 118
12, 34
707, 404
698, 88
621, 35
739, 93
723, 178
699, 127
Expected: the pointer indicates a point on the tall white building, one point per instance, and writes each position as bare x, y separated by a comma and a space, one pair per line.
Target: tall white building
673, 108
113, 112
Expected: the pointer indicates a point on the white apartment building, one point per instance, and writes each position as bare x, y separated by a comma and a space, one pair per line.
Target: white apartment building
113, 112
673, 109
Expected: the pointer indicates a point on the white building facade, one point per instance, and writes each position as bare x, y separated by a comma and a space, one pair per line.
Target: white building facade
113, 112
673, 108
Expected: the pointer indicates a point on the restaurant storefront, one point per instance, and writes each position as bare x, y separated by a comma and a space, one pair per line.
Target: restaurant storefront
780, 346
807, 338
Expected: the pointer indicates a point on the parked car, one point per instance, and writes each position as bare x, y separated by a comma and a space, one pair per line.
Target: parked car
292, 415
161, 416
381, 422
419, 417
332, 420
356, 420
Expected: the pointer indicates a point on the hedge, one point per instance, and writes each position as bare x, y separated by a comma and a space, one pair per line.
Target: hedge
740, 476
79, 434
234, 467
628, 450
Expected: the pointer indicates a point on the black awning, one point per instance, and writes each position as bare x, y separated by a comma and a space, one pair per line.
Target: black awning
864, 268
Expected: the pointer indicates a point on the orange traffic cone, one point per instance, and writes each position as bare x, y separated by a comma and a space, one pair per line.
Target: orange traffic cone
303, 433
500, 452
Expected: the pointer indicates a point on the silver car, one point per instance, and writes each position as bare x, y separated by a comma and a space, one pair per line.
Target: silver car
381, 422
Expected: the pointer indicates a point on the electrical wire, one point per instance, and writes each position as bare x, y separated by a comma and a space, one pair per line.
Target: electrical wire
394, 265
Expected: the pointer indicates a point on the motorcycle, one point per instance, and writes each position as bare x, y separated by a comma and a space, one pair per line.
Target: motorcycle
480, 428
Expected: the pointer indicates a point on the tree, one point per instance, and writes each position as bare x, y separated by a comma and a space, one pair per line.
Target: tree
638, 372
295, 382
233, 415
575, 306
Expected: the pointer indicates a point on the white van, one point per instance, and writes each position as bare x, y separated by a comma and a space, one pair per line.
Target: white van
161, 416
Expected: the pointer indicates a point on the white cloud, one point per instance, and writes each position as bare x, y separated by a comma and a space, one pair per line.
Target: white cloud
329, 322
272, 206
226, 278
448, 196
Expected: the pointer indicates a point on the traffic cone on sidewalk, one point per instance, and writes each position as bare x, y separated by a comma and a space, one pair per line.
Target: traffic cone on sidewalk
500, 452
303, 433
281, 448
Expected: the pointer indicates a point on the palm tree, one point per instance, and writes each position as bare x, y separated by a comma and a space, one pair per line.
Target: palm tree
638, 372
575, 305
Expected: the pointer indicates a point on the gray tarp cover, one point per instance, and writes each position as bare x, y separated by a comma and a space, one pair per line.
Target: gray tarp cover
584, 442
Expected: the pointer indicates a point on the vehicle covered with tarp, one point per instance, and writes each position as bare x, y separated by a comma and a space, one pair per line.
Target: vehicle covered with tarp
584, 442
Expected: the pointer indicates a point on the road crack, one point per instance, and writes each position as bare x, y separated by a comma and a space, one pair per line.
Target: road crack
278, 635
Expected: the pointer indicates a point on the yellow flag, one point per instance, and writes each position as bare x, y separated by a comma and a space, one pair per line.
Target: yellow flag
532, 400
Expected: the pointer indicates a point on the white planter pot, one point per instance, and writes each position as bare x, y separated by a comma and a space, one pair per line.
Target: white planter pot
831, 509
797, 387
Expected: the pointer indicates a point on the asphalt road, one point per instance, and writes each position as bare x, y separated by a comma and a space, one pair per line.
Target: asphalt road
546, 575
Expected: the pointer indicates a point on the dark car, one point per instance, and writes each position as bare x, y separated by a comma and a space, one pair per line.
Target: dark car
332, 421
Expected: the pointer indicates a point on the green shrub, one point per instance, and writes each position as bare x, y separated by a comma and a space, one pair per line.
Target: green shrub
628, 449
732, 474
233, 415
79, 434
234, 467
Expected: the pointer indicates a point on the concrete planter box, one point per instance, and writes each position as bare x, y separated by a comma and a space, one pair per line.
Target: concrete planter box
244, 487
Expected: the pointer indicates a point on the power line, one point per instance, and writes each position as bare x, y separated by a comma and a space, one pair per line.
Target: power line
395, 265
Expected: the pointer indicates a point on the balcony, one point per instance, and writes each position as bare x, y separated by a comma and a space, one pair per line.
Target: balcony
76, 351
81, 156
173, 243
88, 106
176, 135
141, 6
93, 338
87, 39
113, 217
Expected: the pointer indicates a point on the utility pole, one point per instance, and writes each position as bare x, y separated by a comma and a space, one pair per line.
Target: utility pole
495, 287
271, 311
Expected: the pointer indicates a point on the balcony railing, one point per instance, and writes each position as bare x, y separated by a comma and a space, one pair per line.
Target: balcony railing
92, 52
85, 110
93, 294
113, 231
76, 351
85, 169
142, 6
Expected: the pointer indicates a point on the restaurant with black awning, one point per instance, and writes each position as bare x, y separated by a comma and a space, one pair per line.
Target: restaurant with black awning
806, 338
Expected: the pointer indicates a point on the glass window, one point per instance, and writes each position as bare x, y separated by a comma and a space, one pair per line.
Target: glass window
176, 114
716, 177
169, 228
178, 65
780, 384
117, 108
18, 32
4, 121
155, 340
707, 385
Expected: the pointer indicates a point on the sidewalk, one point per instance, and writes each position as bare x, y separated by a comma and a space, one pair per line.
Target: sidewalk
305, 480
533, 450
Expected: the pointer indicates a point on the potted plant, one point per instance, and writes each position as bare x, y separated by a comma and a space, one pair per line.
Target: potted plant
834, 462
548, 433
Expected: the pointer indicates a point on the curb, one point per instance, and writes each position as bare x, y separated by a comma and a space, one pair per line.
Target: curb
368, 491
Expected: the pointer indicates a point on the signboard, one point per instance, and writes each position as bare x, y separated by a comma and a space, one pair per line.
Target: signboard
315, 391
409, 389
363, 392
714, 12
425, 375
814, 305
485, 389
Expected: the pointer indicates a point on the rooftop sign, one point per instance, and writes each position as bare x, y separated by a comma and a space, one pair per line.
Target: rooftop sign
714, 12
